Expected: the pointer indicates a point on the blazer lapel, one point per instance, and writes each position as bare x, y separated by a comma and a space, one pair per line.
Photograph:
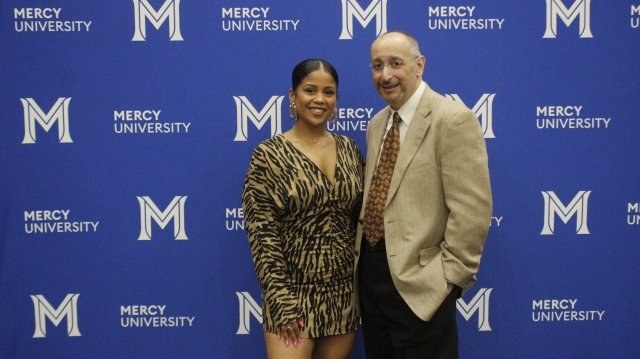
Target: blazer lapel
411, 143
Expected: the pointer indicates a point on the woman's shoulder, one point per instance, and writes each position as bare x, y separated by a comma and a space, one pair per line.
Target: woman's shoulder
347, 141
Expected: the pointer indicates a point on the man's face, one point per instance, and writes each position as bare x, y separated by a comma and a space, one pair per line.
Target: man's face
396, 72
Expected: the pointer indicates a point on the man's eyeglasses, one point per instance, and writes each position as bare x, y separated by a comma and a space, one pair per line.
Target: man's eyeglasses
394, 64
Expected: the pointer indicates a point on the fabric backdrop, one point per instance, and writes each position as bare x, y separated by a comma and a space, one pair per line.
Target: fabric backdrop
126, 129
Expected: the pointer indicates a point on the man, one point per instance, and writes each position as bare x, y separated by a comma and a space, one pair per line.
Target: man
421, 246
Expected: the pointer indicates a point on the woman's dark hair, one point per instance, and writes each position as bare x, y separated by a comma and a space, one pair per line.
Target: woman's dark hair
308, 66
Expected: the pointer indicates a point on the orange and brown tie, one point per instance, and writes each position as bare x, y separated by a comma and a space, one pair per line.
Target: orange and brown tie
373, 223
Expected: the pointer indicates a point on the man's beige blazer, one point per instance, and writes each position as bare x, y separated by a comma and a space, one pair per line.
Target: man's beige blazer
439, 203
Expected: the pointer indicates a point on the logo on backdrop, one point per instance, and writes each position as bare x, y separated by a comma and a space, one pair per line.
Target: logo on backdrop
55, 221
633, 213
483, 109
496, 221
256, 19
169, 11
43, 310
248, 308
557, 117
234, 219
579, 9
351, 10
635, 16
46, 19
460, 18
173, 212
33, 114
152, 316
146, 122
245, 112
578, 207
562, 310
480, 304
351, 120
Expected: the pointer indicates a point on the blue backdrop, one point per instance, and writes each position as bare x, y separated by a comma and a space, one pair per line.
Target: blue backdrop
126, 128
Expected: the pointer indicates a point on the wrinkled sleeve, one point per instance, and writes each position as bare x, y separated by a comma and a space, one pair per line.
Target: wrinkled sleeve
262, 214
467, 192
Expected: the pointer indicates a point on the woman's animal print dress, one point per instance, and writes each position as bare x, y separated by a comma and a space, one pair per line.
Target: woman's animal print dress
301, 230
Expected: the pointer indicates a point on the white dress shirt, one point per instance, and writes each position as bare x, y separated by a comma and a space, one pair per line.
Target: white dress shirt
406, 113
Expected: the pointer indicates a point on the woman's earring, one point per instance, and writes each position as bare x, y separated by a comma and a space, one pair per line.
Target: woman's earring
292, 111
334, 116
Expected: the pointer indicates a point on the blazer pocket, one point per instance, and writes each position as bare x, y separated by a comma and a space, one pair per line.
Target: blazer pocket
427, 255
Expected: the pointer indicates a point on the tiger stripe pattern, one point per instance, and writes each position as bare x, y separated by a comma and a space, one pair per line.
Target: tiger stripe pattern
301, 230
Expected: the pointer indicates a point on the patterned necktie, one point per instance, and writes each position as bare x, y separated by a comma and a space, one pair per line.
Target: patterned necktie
373, 224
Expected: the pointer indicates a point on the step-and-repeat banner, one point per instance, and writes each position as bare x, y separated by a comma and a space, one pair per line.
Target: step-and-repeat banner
126, 128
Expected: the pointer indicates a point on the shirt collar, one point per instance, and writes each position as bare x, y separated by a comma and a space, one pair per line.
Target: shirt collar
409, 108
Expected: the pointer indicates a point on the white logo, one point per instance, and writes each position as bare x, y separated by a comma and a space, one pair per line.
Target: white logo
169, 10
55, 221
145, 122
248, 308
152, 316
496, 221
351, 9
460, 18
42, 310
480, 304
577, 206
351, 119
562, 310
47, 19
174, 211
33, 113
556, 8
567, 117
483, 110
635, 16
245, 111
234, 219
633, 213
256, 19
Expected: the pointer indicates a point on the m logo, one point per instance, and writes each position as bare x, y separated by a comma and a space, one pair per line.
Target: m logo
142, 11
174, 211
483, 110
351, 9
248, 307
556, 8
59, 112
42, 310
577, 207
480, 304
245, 112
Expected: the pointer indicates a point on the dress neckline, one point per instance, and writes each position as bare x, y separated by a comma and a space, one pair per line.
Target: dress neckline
331, 181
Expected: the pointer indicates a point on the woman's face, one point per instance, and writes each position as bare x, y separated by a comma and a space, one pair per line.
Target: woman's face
315, 97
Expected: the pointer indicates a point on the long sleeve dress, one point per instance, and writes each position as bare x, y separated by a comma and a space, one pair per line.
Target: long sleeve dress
301, 230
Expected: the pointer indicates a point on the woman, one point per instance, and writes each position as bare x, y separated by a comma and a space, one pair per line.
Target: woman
301, 199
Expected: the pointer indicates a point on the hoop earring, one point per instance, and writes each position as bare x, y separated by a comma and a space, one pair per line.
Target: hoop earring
292, 111
334, 116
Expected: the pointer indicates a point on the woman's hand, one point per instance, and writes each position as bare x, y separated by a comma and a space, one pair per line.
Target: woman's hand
291, 332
